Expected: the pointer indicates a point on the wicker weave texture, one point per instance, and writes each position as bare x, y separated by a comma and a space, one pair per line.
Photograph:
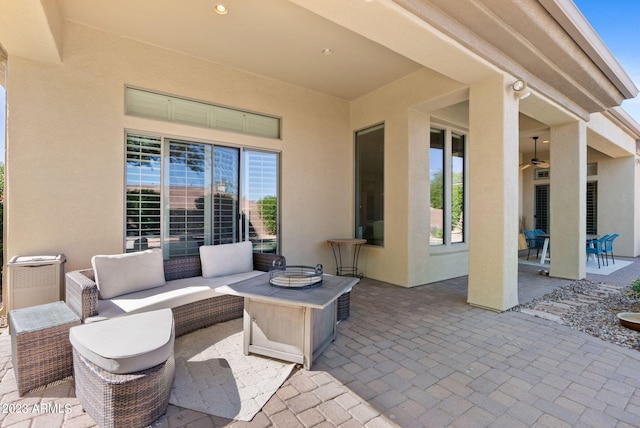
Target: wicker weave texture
206, 312
344, 301
41, 357
82, 294
123, 400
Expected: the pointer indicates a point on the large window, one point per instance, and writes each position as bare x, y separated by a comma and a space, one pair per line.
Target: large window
447, 154
370, 184
181, 195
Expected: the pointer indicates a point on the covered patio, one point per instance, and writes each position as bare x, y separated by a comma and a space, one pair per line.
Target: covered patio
420, 357
451, 90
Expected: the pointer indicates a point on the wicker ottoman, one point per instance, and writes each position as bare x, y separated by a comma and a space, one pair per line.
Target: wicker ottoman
40, 347
124, 368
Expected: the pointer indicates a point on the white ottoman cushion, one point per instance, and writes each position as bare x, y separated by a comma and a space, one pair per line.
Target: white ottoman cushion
126, 344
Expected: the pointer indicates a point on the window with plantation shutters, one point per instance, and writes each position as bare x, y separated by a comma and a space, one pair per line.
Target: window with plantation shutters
174, 109
226, 170
260, 204
181, 195
542, 207
143, 193
188, 196
592, 208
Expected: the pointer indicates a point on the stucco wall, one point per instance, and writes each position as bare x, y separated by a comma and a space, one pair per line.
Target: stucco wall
65, 146
616, 198
406, 258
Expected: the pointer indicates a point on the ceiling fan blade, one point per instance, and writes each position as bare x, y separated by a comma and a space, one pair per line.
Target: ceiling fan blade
524, 166
544, 164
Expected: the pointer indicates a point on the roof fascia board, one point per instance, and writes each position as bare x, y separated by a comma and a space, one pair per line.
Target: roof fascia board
575, 24
624, 120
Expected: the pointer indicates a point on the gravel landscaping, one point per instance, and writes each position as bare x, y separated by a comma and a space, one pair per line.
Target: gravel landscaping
589, 307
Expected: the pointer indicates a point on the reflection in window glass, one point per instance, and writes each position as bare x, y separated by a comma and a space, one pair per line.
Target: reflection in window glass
437, 186
181, 195
143, 201
260, 204
226, 182
188, 193
457, 188
447, 153
370, 185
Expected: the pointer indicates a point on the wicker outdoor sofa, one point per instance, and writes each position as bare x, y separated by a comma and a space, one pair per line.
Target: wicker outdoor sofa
82, 294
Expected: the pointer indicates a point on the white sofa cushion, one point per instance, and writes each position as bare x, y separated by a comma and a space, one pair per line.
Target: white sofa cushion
175, 293
226, 259
126, 273
126, 344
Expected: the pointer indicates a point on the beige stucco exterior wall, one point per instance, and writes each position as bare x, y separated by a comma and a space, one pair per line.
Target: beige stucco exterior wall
406, 258
66, 123
618, 178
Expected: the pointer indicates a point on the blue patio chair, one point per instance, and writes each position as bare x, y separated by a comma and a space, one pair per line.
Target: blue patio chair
608, 246
533, 242
596, 246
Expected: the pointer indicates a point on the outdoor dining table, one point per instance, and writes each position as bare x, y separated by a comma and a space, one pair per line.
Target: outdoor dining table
545, 249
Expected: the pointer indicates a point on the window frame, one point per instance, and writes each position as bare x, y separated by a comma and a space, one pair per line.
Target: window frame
447, 166
377, 226
164, 141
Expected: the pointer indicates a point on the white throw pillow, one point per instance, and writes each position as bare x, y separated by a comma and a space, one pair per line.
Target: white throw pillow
125, 273
226, 259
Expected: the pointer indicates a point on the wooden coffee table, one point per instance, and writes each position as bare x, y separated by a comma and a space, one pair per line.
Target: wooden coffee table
289, 324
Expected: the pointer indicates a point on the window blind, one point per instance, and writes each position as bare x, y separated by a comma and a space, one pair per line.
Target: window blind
174, 109
226, 171
260, 204
542, 207
143, 197
592, 208
188, 198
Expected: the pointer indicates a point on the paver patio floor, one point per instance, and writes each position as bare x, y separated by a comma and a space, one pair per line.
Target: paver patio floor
420, 357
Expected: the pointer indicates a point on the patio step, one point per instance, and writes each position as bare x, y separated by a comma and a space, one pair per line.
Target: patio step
543, 314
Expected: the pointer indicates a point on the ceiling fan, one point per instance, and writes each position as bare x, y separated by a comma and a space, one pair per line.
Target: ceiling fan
535, 161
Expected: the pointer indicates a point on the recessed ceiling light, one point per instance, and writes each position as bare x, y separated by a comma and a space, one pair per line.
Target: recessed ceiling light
221, 9
326, 51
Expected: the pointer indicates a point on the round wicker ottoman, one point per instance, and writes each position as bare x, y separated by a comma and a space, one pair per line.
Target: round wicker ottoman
124, 368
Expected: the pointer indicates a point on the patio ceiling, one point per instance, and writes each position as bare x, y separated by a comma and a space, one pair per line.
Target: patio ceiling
274, 38
373, 42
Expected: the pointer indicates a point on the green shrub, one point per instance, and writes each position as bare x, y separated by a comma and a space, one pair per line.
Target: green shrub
635, 289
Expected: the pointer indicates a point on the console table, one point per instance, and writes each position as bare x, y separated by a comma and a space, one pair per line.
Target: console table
354, 244
291, 324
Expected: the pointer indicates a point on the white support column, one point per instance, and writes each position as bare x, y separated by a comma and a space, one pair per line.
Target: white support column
567, 206
493, 195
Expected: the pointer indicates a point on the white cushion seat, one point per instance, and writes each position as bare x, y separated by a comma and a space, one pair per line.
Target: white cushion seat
174, 293
126, 344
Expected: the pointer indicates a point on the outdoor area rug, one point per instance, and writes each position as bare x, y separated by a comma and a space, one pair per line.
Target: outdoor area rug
591, 265
213, 376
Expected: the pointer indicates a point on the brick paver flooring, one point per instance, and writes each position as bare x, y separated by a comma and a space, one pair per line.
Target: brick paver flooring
419, 357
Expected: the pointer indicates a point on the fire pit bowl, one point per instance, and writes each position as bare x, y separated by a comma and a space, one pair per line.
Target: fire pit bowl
296, 276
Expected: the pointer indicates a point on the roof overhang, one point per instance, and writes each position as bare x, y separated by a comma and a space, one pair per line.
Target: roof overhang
548, 43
